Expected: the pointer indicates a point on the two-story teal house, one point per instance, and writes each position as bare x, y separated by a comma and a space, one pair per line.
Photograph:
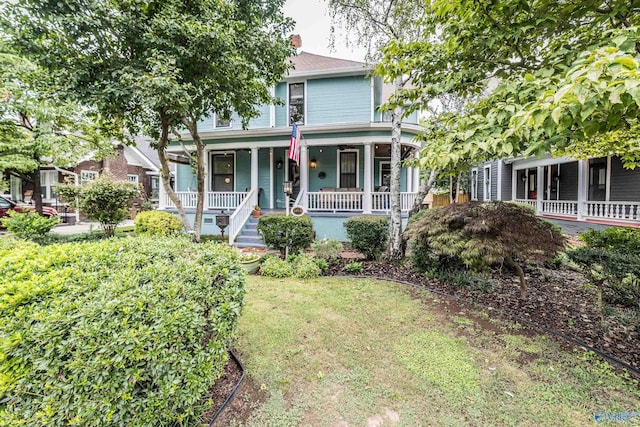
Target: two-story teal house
344, 157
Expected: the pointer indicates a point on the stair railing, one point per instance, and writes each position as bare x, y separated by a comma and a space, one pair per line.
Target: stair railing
240, 216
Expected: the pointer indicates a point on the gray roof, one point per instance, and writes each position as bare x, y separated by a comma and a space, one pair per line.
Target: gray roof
305, 62
143, 144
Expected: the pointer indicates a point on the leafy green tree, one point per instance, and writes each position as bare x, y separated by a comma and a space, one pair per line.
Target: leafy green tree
376, 24
37, 128
104, 200
159, 68
552, 77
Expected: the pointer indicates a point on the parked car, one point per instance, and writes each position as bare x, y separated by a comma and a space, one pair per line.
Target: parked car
7, 205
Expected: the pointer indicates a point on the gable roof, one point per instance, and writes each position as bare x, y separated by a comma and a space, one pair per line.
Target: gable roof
304, 64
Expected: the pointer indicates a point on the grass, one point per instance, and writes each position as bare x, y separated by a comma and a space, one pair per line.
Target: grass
363, 352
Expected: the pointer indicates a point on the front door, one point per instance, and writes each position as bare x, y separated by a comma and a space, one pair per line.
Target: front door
348, 169
598, 180
222, 172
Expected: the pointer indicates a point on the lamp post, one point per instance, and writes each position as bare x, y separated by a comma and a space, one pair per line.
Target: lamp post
288, 190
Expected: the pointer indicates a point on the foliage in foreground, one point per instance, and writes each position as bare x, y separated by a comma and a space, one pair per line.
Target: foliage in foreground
368, 234
328, 249
611, 262
104, 200
288, 234
301, 266
157, 223
128, 331
28, 225
483, 234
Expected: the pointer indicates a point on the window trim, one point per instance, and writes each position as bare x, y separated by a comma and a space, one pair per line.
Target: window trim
380, 163
305, 116
209, 183
133, 175
486, 189
349, 150
474, 184
215, 122
51, 181
96, 174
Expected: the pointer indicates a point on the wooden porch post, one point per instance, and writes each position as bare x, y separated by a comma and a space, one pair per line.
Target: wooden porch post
304, 172
254, 175
368, 178
539, 189
583, 186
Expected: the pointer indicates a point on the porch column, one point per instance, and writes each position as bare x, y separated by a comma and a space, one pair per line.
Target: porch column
539, 189
416, 176
368, 178
206, 180
254, 175
409, 180
304, 172
583, 186
271, 177
514, 183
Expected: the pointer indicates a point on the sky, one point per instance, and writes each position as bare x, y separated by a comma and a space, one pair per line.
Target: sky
314, 26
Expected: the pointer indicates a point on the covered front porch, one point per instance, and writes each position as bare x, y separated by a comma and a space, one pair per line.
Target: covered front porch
597, 189
333, 177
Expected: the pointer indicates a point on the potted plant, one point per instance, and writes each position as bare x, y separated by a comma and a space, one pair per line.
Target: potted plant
250, 261
256, 211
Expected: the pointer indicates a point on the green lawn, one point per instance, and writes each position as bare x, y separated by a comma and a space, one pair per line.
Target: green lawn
369, 353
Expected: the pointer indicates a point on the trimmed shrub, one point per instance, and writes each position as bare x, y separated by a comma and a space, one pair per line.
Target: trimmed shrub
281, 232
368, 234
129, 331
328, 249
104, 200
29, 224
157, 223
483, 234
622, 239
273, 266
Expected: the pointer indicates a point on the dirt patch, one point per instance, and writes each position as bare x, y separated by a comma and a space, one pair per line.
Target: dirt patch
557, 300
249, 394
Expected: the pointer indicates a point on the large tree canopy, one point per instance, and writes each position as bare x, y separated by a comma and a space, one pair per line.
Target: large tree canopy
158, 66
37, 128
558, 77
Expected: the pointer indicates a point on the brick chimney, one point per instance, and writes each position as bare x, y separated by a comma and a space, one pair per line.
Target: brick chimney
296, 41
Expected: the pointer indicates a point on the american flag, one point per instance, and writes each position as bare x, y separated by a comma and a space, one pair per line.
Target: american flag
294, 144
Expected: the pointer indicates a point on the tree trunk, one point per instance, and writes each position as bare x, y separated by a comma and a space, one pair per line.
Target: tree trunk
425, 187
193, 130
523, 283
37, 193
451, 199
395, 249
457, 199
166, 174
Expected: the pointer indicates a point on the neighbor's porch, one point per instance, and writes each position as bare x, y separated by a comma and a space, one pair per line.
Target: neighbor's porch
598, 189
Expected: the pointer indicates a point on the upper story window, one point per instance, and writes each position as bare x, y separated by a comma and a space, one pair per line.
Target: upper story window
88, 176
132, 178
219, 122
296, 103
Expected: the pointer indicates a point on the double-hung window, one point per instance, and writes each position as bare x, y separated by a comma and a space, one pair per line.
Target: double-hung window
296, 103
88, 176
132, 178
487, 183
474, 184
48, 183
348, 168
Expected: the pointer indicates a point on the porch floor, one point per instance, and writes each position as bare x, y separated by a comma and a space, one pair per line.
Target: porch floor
573, 227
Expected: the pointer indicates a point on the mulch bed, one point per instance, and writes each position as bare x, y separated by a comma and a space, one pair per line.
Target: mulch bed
557, 299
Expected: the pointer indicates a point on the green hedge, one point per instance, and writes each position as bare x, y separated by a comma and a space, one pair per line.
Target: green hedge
157, 223
279, 232
29, 225
368, 234
130, 331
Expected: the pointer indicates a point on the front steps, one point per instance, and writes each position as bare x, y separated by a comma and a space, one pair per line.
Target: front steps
248, 237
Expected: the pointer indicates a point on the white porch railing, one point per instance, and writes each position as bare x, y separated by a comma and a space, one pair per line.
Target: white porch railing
240, 216
531, 203
213, 199
629, 211
382, 201
347, 201
560, 207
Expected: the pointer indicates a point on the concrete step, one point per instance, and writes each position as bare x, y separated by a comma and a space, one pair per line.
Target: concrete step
249, 245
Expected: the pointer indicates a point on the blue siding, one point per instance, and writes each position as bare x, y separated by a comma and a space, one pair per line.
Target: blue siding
185, 179
281, 110
243, 170
338, 100
263, 120
263, 177
333, 227
327, 163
